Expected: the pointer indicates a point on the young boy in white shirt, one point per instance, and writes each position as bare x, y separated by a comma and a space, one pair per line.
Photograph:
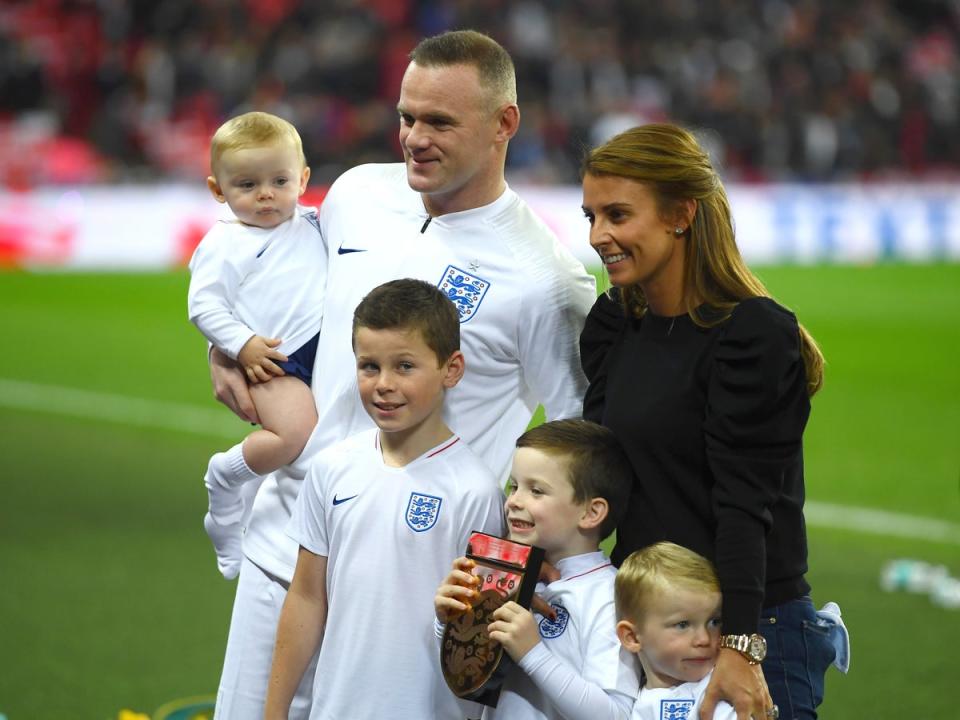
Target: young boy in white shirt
668, 611
256, 293
377, 519
568, 485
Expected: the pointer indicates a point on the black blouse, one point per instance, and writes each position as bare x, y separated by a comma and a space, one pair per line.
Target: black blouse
712, 420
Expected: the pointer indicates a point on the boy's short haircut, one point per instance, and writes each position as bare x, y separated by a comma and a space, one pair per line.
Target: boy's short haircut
596, 463
658, 568
253, 129
409, 304
469, 47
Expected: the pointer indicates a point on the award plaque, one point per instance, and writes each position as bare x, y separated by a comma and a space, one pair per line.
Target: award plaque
473, 665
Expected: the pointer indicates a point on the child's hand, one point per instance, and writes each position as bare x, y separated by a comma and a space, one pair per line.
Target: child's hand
256, 358
515, 629
454, 595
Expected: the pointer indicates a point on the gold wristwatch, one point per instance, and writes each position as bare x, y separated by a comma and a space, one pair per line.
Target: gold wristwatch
752, 647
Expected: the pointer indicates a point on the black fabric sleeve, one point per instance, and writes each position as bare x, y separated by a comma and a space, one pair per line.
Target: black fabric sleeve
756, 411
603, 326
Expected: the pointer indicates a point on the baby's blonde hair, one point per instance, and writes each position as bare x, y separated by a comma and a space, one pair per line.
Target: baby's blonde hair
253, 129
657, 569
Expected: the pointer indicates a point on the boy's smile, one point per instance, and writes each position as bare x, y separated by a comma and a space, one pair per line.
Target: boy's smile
402, 384
540, 506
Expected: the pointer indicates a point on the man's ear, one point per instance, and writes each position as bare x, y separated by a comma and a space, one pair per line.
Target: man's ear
455, 367
214, 187
508, 122
595, 511
628, 636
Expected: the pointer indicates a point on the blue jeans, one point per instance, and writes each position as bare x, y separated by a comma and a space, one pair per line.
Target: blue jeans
799, 651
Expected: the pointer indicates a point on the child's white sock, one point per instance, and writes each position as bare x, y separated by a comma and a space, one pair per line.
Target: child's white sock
239, 471
226, 474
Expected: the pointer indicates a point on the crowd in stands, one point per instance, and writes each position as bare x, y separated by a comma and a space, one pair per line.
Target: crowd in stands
804, 90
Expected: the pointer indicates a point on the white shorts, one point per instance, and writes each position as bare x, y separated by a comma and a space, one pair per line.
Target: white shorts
246, 669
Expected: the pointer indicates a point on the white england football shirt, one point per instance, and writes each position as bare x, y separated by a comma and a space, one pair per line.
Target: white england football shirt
390, 536
247, 281
681, 702
583, 638
522, 297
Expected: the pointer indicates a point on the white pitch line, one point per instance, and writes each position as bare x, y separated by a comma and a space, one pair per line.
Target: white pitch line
881, 522
139, 412
212, 422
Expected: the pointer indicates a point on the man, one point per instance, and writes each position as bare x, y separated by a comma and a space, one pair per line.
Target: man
446, 216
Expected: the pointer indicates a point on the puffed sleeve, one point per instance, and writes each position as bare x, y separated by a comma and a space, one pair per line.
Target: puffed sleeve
757, 408
603, 326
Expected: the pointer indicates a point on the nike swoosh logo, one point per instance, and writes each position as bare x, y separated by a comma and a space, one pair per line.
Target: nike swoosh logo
343, 251
338, 501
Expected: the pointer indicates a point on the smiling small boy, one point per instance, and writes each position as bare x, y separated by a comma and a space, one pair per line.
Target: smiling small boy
568, 487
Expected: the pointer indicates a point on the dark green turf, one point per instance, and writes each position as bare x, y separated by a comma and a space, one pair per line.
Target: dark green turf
110, 595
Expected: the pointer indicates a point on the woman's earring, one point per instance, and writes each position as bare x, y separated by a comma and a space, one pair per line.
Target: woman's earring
678, 230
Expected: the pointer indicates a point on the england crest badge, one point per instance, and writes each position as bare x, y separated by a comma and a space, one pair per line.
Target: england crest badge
550, 629
675, 709
423, 511
466, 291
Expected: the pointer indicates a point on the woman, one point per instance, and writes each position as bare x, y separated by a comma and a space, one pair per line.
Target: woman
707, 383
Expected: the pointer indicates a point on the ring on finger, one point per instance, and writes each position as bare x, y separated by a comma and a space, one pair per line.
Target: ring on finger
773, 713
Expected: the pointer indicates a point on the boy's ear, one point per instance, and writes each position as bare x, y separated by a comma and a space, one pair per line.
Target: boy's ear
455, 367
628, 636
304, 179
595, 511
214, 187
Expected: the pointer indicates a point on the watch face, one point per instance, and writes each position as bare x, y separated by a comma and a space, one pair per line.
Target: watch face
758, 647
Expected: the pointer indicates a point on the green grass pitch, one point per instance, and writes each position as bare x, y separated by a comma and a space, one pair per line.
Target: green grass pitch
110, 596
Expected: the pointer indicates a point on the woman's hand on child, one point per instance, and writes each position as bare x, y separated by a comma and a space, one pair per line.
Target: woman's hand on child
257, 357
455, 595
740, 684
515, 629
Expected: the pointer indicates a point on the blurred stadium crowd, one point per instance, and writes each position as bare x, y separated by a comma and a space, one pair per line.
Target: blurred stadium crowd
130, 90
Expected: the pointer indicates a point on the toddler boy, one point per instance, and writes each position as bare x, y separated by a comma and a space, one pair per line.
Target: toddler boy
256, 293
668, 608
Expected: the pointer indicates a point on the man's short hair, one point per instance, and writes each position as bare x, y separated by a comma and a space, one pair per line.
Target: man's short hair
469, 47
250, 130
596, 464
409, 304
660, 568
